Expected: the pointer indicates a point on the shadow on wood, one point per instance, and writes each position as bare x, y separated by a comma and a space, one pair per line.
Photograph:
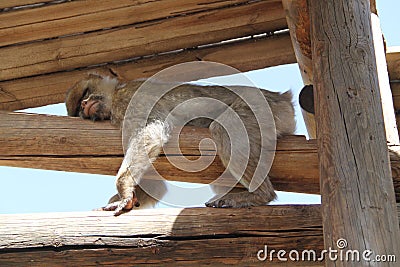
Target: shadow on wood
195, 236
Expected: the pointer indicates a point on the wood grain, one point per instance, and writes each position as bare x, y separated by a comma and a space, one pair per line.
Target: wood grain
357, 195
73, 17
67, 144
191, 30
170, 237
298, 20
20, 3
243, 55
196, 236
386, 98
393, 62
395, 86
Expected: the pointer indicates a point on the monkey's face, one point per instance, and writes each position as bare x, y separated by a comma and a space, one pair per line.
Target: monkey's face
91, 98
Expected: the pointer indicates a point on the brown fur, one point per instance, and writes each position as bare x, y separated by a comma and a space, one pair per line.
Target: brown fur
113, 98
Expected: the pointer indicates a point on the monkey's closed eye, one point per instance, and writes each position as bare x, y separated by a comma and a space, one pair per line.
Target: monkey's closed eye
85, 95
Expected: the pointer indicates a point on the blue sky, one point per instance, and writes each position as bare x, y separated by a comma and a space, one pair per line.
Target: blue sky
29, 190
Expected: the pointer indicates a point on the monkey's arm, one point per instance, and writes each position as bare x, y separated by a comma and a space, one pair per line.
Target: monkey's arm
142, 151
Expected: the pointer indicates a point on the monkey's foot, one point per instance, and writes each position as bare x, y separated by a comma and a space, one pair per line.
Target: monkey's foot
241, 200
122, 206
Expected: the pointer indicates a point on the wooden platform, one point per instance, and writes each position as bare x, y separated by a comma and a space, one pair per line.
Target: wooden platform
48, 45
168, 237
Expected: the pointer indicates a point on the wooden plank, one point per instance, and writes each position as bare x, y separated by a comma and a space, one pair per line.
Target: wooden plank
357, 195
373, 7
74, 17
395, 86
67, 144
306, 101
44, 135
145, 252
21, 3
196, 236
243, 55
298, 19
393, 62
134, 41
386, 97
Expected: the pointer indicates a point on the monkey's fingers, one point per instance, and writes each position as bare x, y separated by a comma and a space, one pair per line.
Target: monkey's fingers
126, 205
110, 206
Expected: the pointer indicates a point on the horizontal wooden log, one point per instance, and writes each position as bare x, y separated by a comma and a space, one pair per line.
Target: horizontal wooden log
21, 3
73, 17
243, 55
72, 144
147, 38
171, 237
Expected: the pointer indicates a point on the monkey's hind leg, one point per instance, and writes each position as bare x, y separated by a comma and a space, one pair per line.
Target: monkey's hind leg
261, 196
264, 193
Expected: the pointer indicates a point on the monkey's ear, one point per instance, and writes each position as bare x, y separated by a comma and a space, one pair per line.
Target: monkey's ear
74, 97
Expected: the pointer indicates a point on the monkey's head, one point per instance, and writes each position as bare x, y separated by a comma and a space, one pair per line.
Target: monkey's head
91, 98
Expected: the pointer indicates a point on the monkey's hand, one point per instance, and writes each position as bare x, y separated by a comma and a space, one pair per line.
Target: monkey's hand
123, 205
126, 198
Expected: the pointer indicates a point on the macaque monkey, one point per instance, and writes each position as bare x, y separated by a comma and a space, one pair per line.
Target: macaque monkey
103, 98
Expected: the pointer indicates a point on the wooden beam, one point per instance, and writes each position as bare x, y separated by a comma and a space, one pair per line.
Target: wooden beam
393, 62
72, 144
19, 3
306, 100
298, 19
357, 195
244, 55
386, 97
167, 237
121, 43
395, 86
184, 237
68, 18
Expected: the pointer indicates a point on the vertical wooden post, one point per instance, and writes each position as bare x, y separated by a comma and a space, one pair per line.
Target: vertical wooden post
392, 135
358, 202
